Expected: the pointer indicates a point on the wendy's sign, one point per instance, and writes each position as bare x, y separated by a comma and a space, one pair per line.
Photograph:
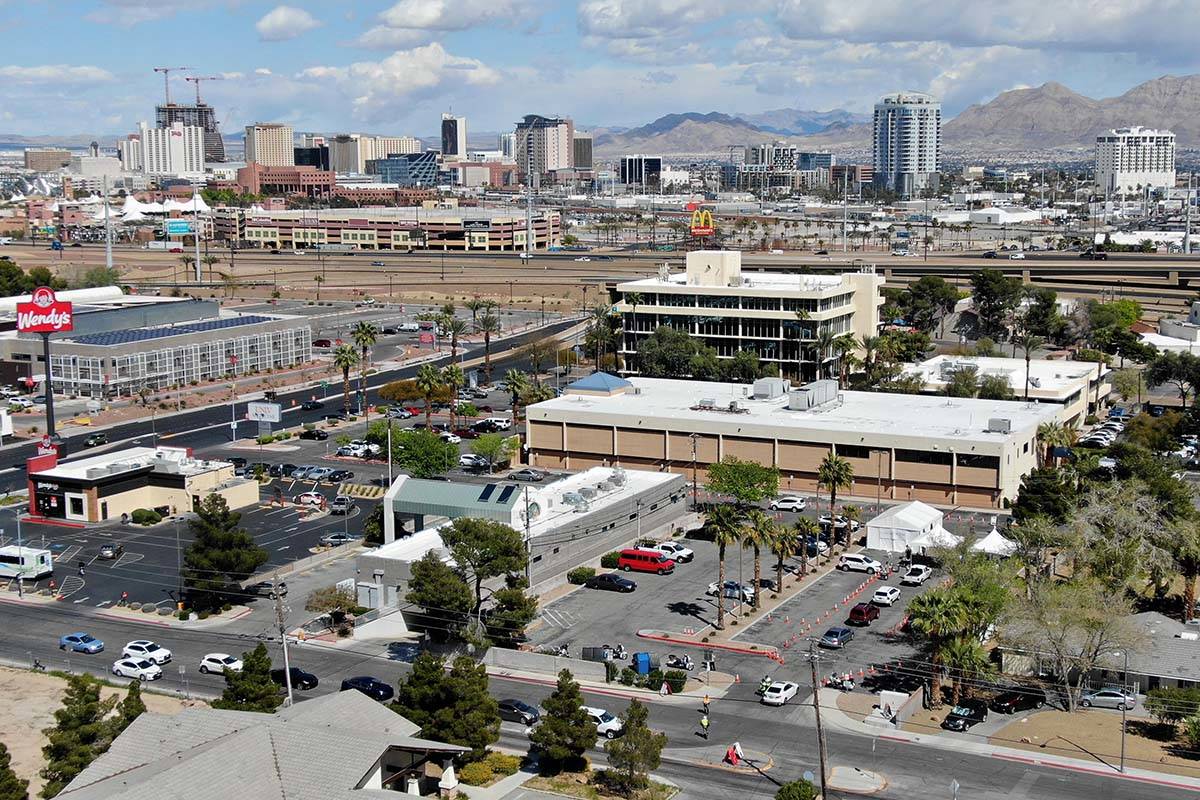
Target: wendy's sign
44, 313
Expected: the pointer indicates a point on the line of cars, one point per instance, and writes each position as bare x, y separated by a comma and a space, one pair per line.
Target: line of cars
659, 559
1102, 435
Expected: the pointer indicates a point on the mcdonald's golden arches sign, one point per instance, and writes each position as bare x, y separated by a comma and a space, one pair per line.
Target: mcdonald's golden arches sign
702, 222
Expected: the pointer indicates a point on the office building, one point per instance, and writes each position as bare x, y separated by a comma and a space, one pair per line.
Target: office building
731, 311
350, 152
812, 161
454, 135
270, 144
177, 151
199, 115
46, 159
1131, 160
304, 181
95, 166
313, 140
315, 156
583, 150
777, 155
640, 170
508, 145
407, 171
906, 143
965, 452
852, 175
542, 145
129, 151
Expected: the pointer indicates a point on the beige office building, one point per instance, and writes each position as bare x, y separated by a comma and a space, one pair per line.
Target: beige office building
774, 315
948, 451
350, 152
270, 144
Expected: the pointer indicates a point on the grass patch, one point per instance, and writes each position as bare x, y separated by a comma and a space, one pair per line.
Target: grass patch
583, 785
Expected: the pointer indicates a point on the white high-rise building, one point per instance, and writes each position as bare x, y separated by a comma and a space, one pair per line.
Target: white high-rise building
129, 150
177, 151
1129, 160
907, 142
543, 144
508, 144
270, 144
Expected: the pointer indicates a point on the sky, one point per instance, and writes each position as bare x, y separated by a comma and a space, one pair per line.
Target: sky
382, 66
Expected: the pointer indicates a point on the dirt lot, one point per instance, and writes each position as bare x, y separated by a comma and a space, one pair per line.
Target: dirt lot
1097, 734
21, 723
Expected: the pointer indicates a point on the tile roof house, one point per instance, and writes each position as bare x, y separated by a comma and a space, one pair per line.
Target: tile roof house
341, 746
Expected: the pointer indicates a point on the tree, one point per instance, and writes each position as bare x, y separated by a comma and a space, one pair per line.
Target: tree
319, 279
221, 555
453, 379
130, 708
484, 548
928, 301
963, 382
1028, 343
345, 357
747, 482
495, 447
364, 334
424, 454
994, 296
1115, 314
759, 534
937, 615
667, 353
994, 387
834, 473
251, 688
797, 790
1172, 704
430, 383
784, 545
80, 733
1129, 383
511, 612
726, 524
452, 707
455, 328
1045, 492
99, 276
11, 787
1180, 369
1183, 543
538, 352
516, 383
565, 732
638, 751
441, 593
488, 324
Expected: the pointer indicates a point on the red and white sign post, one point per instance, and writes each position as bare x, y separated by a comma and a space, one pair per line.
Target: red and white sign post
45, 314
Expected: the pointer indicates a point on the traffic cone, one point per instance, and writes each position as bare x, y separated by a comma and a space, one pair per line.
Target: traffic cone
737, 678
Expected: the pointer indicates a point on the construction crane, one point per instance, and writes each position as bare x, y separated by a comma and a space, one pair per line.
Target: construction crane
166, 71
196, 80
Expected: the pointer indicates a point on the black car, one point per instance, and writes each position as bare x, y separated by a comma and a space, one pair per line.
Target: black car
966, 714
237, 461
300, 678
314, 434
337, 416
281, 470
95, 440
485, 426
311, 405
1094, 255
340, 475
371, 687
267, 589
611, 582
991, 254
1019, 698
390, 330
519, 711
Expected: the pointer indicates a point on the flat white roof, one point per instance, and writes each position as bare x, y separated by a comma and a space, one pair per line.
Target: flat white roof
902, 420
750, 281
118, 461
1048, 378
1168, 342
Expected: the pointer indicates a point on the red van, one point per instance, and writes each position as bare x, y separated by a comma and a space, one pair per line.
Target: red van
645, 561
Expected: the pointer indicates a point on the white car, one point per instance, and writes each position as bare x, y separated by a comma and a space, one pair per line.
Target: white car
607, 724
840, 522
885, 596
788, 503
309, 499
779, 693
916, 575
452, 438
144, 648
137, 668
9, 391
20, 402
501, 423
1017, 256
733, 591
857, 562
675, 550
399, 413
583, 258
220, 662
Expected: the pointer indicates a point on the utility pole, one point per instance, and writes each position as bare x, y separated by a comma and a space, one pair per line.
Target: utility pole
107, 231
812, 662
693, 437
845, 209
528, 561
1187, 223
287, 664
195, 216
20, 555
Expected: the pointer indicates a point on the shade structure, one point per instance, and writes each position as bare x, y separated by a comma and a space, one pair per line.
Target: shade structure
995, 544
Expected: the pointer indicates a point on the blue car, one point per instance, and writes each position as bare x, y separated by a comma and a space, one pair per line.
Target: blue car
80, 643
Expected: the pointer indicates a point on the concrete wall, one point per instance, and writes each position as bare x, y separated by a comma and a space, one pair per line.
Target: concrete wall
543, 663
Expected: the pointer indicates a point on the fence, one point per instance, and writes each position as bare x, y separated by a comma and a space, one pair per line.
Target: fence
543, 663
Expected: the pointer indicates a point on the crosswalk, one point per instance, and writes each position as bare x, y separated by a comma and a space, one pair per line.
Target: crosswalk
559, 618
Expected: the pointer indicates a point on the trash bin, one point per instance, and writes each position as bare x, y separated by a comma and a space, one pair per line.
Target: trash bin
641, 663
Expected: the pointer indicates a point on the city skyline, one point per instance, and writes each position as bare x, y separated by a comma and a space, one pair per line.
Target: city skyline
387, 66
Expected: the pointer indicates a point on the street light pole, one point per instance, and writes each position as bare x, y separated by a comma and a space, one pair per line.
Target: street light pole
812, 662
694, 437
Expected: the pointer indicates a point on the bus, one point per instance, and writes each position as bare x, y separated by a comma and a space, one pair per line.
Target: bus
29, 563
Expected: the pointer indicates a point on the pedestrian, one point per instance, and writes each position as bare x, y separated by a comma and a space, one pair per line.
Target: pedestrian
80, 567
704, 727
706, 702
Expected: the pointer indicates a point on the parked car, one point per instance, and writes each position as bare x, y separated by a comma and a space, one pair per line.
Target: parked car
150, 651
371, 687
1019, 698
301, 472
336, 539
319, 474
916, 575
336, 416
885, 596
839, 523
501, 423
816, 547
675, 551
80, 642
399, 413
519, 711
140, 669
966, 714
611, 582
281, 470
733, 590
527, 474
322, 343
788, 503
1109, 697
300, 679
95, 440
645, 561
315, 434
312, 405
452, 438
309, 499
341, 504
110, 550
863, 614
472, 461
268, 589
857, 562
607, 725
340, 476
220, 663
20, 402
837, 637
779, 693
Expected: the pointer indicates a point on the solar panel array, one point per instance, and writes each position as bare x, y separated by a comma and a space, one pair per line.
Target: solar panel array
113, 338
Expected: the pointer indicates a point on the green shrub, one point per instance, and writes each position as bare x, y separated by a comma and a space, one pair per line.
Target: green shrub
145, 516
628, 676
358, 611
475, 774
265, 439
203, 615
183, 615
654, 679
227, 607
610, 671
468, 410
675, 678
503, 764
580, 575
609, 560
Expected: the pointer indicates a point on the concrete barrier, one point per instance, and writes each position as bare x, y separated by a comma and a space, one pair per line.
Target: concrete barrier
543, 663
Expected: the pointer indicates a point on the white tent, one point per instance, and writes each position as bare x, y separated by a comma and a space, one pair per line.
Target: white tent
904, 525
995, 544
936, 538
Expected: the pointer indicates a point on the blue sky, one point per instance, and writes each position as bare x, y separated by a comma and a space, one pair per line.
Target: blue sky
392, 66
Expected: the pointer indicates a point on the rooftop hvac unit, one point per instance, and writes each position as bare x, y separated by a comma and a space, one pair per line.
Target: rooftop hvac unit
770, 388
707, 402
733, 406
583, 507
587, 493
604, 486
637, 390
1190, 636
812, 395
618, 477
572, 498
1035, 382
947, 368
999, 425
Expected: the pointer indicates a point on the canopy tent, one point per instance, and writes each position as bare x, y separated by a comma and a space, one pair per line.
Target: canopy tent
995, 544
936, 538
905, 526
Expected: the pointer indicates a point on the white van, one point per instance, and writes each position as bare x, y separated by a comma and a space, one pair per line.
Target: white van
408, 327
502, 423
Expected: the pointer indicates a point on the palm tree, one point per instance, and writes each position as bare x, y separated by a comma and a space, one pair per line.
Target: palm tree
808, 530
208, 261
834, 473
475, 305
844, 347
319, 279
455, 327
937, 615
725, 522
758, 534
429, 382
966, 661
516, 383
453, 379
1052, 435
634, 299
1183, 543
344, 358
364, 334
187, 262
488, 324
600, 330
823, 345
1029, 343
783, 545
870, 344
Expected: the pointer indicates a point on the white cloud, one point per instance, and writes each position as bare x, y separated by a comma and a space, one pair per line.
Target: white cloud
263, 71
127, 13
382, 37
285, 22
459, 15
643, 19
56, 73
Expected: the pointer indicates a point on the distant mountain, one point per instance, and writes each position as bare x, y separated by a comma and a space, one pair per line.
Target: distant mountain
71, 141
798, 122
681, 134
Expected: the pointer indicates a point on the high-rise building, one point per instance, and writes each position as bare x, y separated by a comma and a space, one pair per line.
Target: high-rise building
640, 170
46, 159
408, 169
129, 150
454, 135
384, 146
1129, 160
312, 140
350, 152
313, 156
508, 145
270, 144
907, 142
542, 144
583, 151
174, 151
773, 155
199, 115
